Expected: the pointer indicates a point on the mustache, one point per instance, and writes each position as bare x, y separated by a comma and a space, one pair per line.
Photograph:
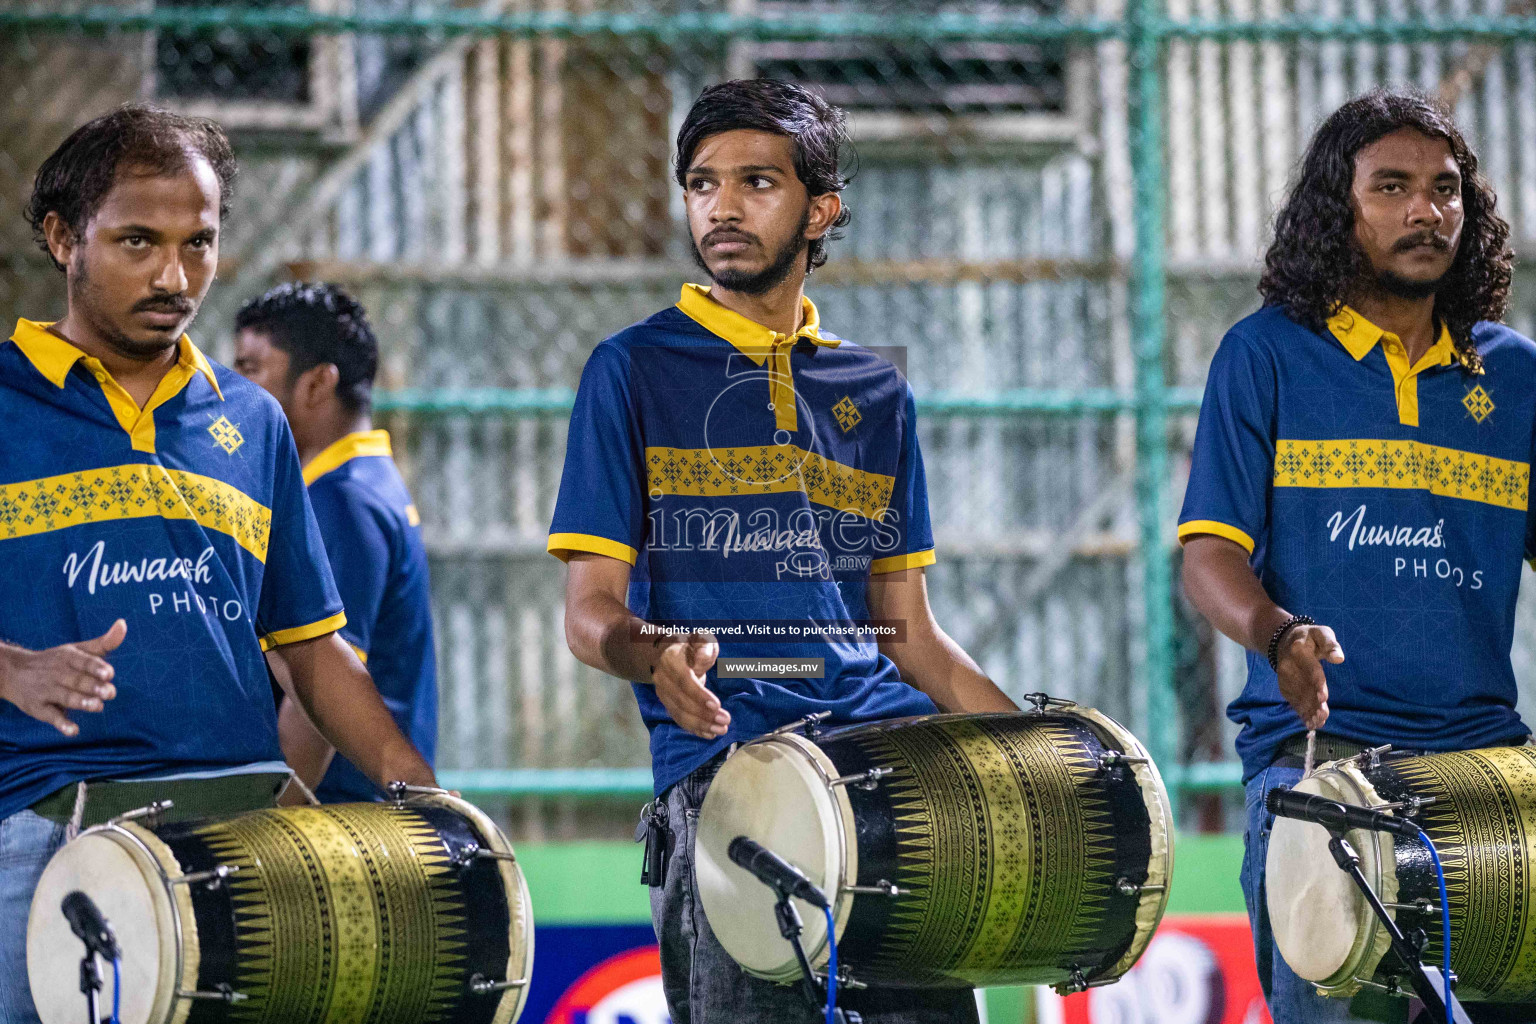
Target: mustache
1427, 238
165, 304
730, 235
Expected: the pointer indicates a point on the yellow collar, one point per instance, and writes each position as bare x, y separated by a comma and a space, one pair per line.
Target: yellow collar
753, 339
1358, 336
54, 357
364, 442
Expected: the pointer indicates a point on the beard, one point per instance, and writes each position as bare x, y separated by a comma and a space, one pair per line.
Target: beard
1405, 288
747, 282
83, 296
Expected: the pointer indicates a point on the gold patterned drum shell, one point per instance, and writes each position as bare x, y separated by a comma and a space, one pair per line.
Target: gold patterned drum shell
342, 914
1483, 822
1028, 848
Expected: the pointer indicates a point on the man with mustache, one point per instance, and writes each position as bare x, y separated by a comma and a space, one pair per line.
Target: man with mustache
176, 481
1363, 460
730, 460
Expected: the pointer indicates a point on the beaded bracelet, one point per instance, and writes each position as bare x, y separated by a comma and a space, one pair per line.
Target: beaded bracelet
1285, 627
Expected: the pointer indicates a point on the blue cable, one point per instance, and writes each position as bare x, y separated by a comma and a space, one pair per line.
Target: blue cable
117, 989
831, 968
1445, 916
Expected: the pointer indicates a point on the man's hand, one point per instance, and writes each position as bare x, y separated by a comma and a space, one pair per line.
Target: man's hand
679, 678
1302, 683
72, 677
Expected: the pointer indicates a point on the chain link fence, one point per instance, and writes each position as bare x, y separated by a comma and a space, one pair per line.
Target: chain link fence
1059, 207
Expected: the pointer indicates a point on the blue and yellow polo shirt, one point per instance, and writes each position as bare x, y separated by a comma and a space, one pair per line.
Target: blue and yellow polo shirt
373, 541
1390, 502
753, 480
188, 519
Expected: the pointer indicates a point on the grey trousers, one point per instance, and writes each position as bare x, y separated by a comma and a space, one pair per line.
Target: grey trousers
705, 986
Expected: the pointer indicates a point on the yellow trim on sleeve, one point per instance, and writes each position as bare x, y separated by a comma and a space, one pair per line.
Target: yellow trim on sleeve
896, 563
362, 655
563, 545
298, 634
1197, 527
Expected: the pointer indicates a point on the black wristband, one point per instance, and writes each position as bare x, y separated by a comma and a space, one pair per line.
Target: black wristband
1286, 627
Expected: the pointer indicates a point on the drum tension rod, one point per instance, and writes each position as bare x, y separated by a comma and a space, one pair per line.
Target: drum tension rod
864, 780
480, 985
1370, 757
1418, 906
1114, 758
808, 723
844, 979
1041, 701
1410, 806
1126, 887
880, 888
471, 852
1077, 983
398, 791
152, 812
225, 993
215, 877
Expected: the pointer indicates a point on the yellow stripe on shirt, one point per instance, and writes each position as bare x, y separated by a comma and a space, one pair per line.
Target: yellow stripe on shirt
766, 469
1404, 465
133, 491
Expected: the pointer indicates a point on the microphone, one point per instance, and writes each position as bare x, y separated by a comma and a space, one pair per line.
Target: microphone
1335, 816
89, 926
774, 871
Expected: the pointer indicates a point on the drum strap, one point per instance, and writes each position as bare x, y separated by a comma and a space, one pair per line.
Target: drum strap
86, 804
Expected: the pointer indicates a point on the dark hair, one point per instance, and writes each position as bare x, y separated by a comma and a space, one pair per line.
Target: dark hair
77, 176
1314, 258
318, 324
819, 131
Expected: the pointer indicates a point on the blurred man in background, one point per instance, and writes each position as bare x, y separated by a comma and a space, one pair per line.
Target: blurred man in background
735, 407
156, 514
311, 348
1363, 460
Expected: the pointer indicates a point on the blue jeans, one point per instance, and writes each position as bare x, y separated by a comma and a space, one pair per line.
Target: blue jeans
27, 841
1292, 1000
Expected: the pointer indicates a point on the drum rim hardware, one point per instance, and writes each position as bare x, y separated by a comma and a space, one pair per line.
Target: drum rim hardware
467, 854
864, 780
480, 985
1370, 758
1112, 759
214, 877
880, 888
808, 725
225, 993
1125, 887
152, 813
1043, 701
399, 789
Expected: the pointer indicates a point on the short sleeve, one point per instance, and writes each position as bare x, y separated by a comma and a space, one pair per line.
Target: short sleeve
1232, 467
905, 539
600, 508
357, 545
298, 597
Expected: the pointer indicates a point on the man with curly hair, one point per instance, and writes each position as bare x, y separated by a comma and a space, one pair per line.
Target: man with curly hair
1363, 460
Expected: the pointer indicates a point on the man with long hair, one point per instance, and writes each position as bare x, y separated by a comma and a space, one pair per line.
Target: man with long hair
730, 459
1360, 480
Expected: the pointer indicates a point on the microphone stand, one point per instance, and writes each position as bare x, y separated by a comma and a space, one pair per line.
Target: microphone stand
1428, 983
790, 926
90, 985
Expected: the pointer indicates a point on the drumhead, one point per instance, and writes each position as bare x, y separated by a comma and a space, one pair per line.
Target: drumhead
1322, 925
519, 905
122, 879
774, 791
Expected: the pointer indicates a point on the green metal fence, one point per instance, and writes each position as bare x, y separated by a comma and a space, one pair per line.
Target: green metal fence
1146, 30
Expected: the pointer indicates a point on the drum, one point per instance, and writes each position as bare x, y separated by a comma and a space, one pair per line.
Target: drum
401, 912
1479, 808
957, 850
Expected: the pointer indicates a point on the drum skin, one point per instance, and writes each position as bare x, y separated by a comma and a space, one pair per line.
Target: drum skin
1009, 840
339, 914
1483, 823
